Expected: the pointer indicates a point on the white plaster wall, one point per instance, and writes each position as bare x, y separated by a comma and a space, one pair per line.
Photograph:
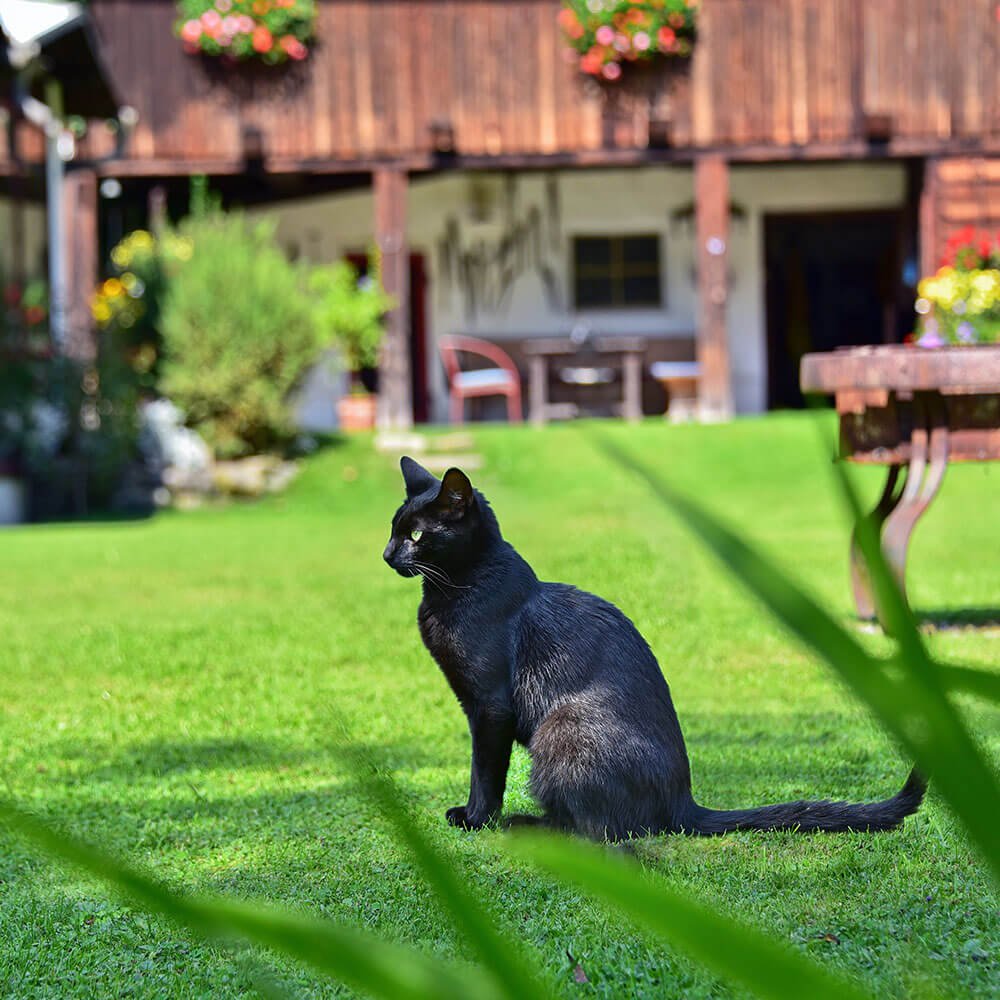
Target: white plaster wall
34, 236
593, 202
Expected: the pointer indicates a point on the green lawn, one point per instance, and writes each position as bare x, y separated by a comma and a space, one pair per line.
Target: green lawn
168, 691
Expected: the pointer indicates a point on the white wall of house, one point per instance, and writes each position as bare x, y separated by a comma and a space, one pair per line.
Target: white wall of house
33, 253
539, 300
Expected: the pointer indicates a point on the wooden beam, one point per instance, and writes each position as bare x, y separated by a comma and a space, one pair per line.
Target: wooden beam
395, 406
711, 196
899, 147
80, 214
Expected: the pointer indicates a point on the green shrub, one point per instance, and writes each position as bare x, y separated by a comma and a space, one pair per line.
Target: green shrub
239, 332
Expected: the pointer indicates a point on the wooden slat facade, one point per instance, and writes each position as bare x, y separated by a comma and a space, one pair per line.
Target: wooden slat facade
771, 79
962, 191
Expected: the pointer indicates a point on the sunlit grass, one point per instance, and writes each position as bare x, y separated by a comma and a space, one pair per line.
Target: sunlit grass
170, 687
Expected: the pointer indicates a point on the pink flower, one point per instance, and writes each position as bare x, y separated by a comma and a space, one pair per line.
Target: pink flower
230, 25
293, 47
246, 23
191, 31
641, 41
605, 34
225, 6
611, 71
212, 20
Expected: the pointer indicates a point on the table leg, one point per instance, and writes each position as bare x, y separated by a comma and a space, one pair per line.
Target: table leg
929, 440
632, 398
539, 389
861, 583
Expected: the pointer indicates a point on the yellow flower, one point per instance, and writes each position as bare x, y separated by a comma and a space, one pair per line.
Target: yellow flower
112, 287
985, 281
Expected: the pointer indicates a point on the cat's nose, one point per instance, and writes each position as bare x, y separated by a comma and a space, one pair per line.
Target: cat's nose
390, 551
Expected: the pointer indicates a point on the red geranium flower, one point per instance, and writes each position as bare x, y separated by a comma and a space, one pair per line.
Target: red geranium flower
263, 40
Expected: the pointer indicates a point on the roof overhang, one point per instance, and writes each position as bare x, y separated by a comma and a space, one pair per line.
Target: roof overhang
61, 40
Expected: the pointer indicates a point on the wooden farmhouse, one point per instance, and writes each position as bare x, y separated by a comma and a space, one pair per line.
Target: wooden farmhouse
781, 190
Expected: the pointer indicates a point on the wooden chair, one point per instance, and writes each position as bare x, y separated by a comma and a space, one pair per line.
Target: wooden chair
680, 380
500, 380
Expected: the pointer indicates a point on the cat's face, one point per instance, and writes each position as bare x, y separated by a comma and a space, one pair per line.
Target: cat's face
435, 526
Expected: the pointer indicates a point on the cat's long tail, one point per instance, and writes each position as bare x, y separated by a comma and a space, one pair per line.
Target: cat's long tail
808, 817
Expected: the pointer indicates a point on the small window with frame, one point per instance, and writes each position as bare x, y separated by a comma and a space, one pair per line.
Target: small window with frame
617, 272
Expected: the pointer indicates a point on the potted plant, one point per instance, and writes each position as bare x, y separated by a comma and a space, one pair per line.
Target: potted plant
611, 35
237, 31
960, 304
349, 308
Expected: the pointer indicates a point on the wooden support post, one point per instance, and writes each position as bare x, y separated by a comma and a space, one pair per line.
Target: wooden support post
156, 209
395, 406
80, 252
928, 211
711, 194
632, 379
539, 404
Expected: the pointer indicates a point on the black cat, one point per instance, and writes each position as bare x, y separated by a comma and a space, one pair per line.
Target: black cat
567, 675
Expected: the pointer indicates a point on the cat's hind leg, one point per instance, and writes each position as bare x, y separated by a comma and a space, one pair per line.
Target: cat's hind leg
590, 777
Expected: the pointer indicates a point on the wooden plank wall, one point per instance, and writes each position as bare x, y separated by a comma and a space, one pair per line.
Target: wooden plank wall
765, 74
964, 191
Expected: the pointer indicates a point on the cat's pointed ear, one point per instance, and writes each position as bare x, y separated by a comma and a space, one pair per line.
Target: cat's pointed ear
456, 494
418, 480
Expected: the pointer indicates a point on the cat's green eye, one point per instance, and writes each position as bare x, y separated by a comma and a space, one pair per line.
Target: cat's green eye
416, 534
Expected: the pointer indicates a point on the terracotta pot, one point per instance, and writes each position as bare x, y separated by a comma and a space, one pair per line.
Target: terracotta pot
356, 413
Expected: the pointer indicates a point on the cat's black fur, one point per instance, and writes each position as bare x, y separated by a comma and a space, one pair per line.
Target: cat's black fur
567, 675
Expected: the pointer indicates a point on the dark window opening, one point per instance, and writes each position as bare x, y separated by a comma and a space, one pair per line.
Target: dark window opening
616, 272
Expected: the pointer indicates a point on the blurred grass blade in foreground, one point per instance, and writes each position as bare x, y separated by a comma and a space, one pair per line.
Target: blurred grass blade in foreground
915, 708
355, 957
734, 952
511, 971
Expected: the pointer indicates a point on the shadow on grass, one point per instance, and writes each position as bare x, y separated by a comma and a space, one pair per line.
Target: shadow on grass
161, 758
958, 619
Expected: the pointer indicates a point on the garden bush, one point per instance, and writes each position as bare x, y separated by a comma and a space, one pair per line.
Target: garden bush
239, 331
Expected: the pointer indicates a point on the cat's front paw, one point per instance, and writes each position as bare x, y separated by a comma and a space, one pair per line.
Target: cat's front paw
459, 816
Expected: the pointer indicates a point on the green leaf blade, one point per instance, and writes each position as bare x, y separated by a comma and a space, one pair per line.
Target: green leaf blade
735, 952
916, 711
355, 957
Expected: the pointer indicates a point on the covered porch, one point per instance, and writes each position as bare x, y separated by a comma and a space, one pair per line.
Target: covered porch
677, 257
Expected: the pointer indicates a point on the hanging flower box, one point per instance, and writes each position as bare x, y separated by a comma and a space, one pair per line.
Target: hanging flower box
606, 36
960, 304
269, 31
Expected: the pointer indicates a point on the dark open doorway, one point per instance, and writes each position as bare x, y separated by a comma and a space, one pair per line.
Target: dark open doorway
418, 331
832, 280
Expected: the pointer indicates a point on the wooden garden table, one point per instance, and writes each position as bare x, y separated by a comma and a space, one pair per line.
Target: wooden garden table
914, 410
543, 350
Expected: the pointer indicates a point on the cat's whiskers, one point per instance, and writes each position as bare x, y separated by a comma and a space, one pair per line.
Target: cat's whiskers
429, 580
438, 575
